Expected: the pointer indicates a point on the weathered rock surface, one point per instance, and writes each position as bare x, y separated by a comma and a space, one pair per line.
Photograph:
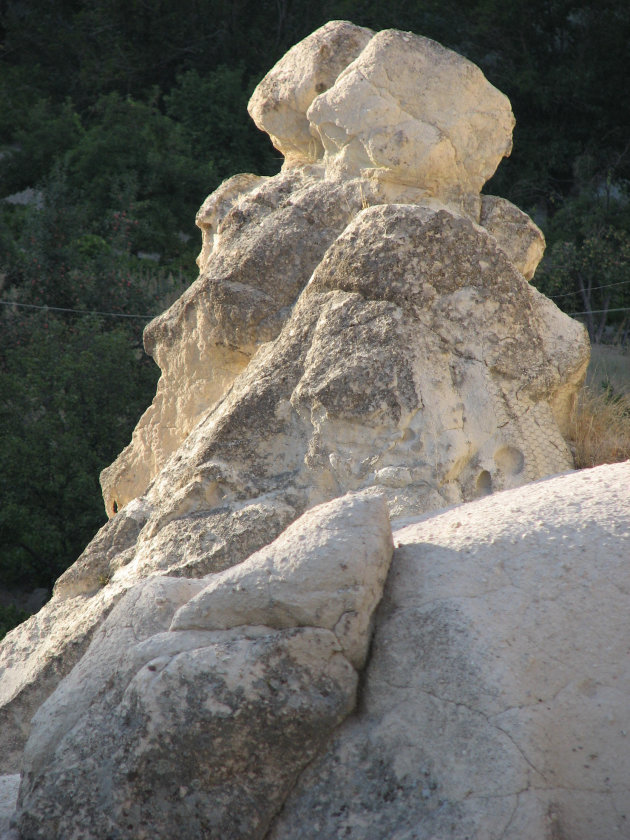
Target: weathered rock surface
447, 133
515, 232
363, 322
266, 246
9, 786
207, 728
495, 703
262, 237
279, 104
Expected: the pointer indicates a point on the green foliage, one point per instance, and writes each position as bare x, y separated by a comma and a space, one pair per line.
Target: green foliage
55, 259
131, 156
591, 277
42, 134
10, 617
212, 111
70, 395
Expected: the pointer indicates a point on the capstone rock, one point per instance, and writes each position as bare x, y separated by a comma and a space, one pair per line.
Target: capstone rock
279, 104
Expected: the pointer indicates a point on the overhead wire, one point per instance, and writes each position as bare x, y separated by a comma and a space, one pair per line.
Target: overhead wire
594, 289
76, 311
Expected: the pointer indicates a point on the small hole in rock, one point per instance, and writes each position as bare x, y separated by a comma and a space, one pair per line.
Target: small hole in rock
115, 507
509, 460
484, 484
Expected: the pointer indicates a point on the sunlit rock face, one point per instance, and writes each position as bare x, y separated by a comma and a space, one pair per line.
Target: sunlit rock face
363, 323
495, 703
355, 133
199, 702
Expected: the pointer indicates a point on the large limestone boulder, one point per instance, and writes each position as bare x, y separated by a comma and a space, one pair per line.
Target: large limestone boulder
354, 327
495, 703
436, 132
188, 718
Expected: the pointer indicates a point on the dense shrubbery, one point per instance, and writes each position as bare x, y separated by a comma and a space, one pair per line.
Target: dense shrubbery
10, 616
132, 113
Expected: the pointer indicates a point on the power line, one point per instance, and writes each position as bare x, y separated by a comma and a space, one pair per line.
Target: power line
149, 317
599, 311
77, 311
595, 289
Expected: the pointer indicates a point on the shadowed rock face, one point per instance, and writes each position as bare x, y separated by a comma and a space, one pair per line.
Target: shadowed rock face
362, 322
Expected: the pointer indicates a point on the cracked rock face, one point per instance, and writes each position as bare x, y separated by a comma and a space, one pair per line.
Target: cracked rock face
200, 701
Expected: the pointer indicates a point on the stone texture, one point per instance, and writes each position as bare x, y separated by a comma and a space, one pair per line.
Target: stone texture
434, 120
9, 786
516, 234
264, 250
326, 570
279, 104
418, 361
434, 144
216, 207
354, 328
495, 702
156, 730
33, 659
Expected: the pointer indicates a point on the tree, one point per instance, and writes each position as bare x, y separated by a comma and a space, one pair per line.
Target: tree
70, 394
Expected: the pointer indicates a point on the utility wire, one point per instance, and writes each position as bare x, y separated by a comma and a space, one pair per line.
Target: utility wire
598, 311
77, 311
149, 317
607, 286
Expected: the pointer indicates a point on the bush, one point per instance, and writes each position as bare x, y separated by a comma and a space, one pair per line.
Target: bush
10, 617
70, 395
600, 427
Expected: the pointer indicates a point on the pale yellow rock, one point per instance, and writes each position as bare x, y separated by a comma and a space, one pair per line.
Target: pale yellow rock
411, 111
279, 103
354, 327
515, 232
432, 132
217, 206
262, 240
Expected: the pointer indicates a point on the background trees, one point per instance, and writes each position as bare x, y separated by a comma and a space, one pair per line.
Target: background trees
122, 115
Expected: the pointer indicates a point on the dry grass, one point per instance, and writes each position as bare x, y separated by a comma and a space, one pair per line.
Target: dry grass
600, 427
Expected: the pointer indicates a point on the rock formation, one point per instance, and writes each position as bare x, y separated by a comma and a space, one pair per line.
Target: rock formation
200, 701
495, 704
362, 323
